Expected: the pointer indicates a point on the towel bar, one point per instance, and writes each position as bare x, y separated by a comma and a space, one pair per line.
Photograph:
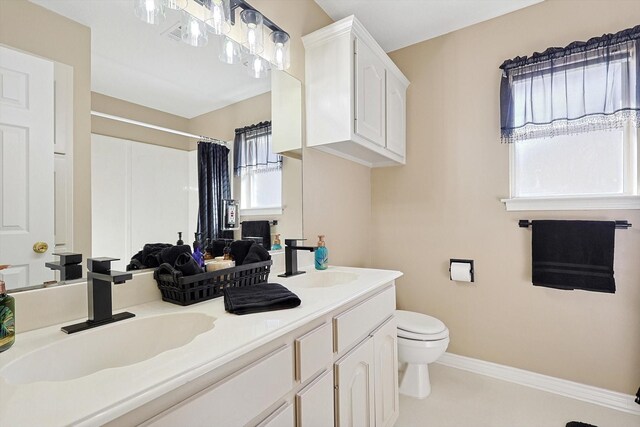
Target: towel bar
621, 224
273, 222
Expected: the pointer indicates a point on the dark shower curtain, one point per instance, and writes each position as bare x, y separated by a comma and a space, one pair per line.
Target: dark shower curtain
213, 187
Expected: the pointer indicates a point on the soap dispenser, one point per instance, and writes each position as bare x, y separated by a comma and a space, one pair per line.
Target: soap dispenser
277, 245
7, 317
322, 254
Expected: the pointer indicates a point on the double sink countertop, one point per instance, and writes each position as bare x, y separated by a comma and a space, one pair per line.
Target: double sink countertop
62, 387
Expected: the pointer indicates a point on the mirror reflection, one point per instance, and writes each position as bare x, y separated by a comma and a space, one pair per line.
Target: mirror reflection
153, 122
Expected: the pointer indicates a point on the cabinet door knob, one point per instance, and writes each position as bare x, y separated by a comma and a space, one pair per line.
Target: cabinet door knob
40, 247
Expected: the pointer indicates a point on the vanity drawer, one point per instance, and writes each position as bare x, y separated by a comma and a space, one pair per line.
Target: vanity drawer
356, 322
314, 351
237, 399
314, 404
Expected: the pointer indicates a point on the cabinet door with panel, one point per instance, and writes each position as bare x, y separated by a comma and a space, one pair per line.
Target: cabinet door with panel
385, 351
314, 404
370, 121
354, 379
396, 115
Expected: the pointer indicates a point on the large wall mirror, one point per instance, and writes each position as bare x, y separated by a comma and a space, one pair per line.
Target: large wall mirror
144, 179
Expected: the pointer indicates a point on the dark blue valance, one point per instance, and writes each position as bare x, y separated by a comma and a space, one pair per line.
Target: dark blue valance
582, 87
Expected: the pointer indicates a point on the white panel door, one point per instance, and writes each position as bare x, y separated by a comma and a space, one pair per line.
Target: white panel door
396, 116
354, 392
26, 167
370, 95
385, 350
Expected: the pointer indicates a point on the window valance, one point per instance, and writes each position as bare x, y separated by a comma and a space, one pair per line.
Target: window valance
252, 150
582, 87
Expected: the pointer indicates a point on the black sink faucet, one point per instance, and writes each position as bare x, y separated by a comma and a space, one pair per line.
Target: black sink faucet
291, 256
70, 265
99, 280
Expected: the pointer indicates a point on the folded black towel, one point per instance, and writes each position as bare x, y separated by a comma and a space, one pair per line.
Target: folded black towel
573, 255
216, 247
187, 265
258, 229
259, 298
579, 424
148, 257
171, 254
256, 254
240, 249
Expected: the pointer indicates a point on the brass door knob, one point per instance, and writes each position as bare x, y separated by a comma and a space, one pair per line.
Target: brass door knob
40, 247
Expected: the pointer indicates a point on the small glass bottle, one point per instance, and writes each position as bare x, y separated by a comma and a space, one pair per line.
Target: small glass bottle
277, 245
322, 254
7, 317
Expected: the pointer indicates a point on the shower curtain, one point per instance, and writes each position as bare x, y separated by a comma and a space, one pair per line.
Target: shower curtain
213, 187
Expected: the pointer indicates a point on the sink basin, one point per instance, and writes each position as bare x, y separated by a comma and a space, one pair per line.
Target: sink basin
322, 279
109, 346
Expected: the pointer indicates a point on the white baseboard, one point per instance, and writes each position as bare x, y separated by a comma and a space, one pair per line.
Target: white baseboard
586, 393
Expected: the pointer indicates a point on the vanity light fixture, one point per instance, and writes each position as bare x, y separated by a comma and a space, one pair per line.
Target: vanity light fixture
229, 51
252, 31
218, 16
193, 31
150, 11
176, 4
280, 57
200, 17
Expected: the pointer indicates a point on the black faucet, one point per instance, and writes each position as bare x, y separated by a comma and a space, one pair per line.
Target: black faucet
291, 256
99, 281
70, 265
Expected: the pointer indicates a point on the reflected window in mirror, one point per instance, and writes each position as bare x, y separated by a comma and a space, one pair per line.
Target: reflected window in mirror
259, 170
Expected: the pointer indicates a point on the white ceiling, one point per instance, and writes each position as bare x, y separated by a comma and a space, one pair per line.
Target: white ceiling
399, 23
132, 60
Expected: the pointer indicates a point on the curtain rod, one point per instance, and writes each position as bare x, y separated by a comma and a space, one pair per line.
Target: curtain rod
160, 128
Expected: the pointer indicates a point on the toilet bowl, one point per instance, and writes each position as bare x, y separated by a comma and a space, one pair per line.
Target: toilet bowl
422, 340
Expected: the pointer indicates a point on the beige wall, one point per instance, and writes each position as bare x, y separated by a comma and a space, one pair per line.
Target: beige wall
445, 204
118, 107
33, 29
336, 192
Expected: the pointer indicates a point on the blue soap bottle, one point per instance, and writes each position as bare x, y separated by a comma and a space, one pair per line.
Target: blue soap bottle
322, 254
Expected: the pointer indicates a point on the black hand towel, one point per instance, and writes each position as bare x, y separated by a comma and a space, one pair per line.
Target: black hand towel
151, 254
216, 247
171, 254
187, 265
258, 229
573, 255
256, 254
240, 249
259, 298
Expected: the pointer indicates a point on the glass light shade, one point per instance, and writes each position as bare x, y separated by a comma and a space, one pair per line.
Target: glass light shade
252, 29
229, 51
218, 13
176, 4
149, 11
193, 30
280, 55
257, 67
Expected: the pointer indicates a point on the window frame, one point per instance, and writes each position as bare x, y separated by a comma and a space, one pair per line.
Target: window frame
261, 211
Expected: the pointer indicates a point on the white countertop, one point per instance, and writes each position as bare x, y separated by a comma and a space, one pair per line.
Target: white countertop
105, 395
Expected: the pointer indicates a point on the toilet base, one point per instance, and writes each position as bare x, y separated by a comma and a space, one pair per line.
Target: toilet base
415, 381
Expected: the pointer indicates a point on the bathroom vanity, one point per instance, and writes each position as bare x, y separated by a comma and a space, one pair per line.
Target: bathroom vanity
332, 360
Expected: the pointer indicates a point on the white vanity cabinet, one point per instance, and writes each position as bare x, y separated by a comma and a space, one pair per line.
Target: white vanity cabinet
355, 96
339, 369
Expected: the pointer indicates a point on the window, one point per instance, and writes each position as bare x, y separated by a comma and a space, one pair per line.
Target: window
259, 169
572, 115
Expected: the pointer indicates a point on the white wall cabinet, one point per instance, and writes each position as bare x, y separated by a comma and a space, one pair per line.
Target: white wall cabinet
355, 96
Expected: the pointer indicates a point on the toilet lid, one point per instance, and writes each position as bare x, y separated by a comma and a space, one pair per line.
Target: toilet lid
418, 323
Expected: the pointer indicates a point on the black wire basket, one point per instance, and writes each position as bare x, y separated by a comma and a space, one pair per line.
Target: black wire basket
186, 290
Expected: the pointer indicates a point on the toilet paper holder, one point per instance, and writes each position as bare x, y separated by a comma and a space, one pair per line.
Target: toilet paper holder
466, 261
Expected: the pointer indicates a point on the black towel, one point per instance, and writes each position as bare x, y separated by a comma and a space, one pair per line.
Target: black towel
171, 254
148, 257
187, 265
259, 298
256, 254
579, 424
216, 247
240, 249
573, 255
258, 229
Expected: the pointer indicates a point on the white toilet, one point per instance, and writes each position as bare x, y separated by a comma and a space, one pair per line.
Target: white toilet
422, 340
